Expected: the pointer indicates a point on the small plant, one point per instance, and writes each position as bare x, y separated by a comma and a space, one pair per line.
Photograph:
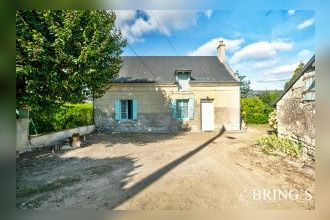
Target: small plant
273, 143
272, 120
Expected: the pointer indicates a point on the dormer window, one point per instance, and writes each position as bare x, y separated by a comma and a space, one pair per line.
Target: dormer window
182, 78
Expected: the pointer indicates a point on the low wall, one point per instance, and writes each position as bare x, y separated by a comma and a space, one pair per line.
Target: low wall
53, 138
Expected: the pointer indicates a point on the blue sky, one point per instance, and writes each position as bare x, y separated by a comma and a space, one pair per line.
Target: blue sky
266, 46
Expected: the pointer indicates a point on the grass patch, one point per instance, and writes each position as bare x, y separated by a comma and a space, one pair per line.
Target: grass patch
271, 143
27, 191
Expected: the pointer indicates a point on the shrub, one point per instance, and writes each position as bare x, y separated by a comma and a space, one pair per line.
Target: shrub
65, 117
254, 110
274, 143
272, 120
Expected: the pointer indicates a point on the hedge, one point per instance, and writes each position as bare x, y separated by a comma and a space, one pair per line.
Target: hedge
65, 117
255, 111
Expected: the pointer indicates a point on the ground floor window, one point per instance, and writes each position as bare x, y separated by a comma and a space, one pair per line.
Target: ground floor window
182, 108
126, 109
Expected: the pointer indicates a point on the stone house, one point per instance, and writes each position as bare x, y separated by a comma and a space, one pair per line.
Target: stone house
171, 93
296, 109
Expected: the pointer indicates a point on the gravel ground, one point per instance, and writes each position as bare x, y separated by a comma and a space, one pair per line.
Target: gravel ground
208, 170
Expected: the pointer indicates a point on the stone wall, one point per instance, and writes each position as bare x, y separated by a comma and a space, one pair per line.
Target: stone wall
53, 138
154, 101
296, 118
25, 143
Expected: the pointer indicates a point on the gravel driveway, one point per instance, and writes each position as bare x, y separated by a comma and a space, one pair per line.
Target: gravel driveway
210, 170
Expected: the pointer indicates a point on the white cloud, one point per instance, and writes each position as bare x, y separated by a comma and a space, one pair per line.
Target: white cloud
210, 48
306, 23
208, 13
272, 80
261, 50
305, 54
291, 12
281, 70
133, 26
264, 64
123, 16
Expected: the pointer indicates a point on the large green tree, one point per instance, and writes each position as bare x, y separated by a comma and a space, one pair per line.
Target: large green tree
245, 85
65, 55
294, 74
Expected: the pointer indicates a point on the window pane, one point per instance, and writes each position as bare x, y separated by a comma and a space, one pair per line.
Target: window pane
309, 96
309, 83
123, 109
130, 109
183, 80
182, 109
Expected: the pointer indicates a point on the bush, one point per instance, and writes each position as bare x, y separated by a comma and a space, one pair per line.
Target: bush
254, 110
65, 117
272, 120
273, 143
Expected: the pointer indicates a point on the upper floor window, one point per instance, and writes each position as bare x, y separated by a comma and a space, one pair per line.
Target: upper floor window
182, 77
309, 87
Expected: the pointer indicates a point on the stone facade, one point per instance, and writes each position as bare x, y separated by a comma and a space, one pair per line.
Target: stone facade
296, 115
153, 104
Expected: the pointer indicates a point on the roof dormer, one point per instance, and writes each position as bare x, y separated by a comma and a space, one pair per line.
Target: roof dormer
182, 77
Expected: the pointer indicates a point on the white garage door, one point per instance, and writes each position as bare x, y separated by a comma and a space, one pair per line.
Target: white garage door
207, 115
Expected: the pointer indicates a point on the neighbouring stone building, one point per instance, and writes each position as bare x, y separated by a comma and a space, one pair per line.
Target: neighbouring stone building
171, 93
296, 109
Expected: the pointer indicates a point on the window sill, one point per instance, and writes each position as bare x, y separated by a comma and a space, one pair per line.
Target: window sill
126, 120
184, 119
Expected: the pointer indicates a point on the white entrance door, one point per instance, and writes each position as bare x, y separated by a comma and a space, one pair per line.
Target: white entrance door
207, 115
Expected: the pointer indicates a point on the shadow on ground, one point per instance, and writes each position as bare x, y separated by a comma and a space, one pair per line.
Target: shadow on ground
47, 181
109, 139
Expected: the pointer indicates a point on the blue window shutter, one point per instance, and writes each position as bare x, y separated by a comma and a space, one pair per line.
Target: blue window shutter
191, 108
135, 109
117, 109
173, 108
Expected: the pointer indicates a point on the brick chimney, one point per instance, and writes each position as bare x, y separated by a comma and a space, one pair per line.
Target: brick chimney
221, 52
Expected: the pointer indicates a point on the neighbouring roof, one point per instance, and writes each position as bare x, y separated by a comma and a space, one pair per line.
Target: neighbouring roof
307, 67
162, 69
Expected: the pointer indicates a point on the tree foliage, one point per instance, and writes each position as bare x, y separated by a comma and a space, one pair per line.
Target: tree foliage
245, 85
269, 97
65, 55
254, 110
294, 74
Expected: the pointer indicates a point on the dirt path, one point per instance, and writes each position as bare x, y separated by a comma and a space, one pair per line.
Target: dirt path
162, 171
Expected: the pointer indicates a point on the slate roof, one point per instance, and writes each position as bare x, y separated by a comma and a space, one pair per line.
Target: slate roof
162, 69
309, 65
